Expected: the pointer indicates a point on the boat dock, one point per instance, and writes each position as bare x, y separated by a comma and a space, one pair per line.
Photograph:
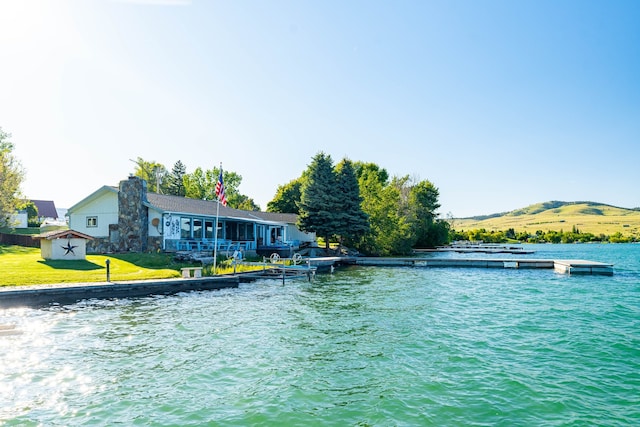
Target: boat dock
69, 293
576, 266
487, 248
560, 266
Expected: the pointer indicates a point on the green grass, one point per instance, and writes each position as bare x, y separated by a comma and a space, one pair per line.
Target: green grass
585, 216
24, 266
24, 231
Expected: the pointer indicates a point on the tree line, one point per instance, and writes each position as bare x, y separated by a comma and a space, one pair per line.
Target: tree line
200, 184
358, 205
549, 236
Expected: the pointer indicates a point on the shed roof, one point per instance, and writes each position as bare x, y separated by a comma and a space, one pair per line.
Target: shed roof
62, 234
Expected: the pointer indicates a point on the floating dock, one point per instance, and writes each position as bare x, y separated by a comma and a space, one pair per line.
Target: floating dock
560, 266
487, 248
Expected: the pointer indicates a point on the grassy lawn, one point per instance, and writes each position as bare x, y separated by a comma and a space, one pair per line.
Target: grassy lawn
25, 231
24, 266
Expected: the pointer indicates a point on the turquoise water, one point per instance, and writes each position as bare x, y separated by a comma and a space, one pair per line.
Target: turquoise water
360, 347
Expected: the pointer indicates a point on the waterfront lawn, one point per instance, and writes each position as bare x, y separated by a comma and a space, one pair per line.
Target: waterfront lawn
24, 266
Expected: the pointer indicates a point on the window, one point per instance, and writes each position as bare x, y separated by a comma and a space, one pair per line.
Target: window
197, 228
208, 229
92, 221
185, 228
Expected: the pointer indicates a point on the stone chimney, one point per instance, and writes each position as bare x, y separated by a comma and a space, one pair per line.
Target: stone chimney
133, 218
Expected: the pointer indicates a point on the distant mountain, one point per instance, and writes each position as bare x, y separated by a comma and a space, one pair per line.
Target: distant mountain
591, 217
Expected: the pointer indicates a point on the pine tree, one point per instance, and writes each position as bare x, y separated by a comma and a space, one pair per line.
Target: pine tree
175, 184
319, 206
353, 221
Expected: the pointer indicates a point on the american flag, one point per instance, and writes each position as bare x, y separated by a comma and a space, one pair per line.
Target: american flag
220, 190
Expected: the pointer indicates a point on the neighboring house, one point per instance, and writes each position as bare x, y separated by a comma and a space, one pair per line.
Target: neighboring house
20, 219
46, 210
128, 218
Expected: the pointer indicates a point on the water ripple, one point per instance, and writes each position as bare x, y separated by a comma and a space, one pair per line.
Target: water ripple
363, 346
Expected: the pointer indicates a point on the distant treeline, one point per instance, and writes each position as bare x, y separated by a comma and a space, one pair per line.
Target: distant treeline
539, 236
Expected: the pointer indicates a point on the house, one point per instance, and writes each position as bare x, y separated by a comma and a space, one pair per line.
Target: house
47, 213
20, 219
129, 218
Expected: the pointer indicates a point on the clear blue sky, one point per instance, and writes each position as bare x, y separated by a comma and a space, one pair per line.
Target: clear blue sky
500, 104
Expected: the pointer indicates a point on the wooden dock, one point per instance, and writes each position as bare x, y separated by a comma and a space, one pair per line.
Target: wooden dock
487, 248
560, 266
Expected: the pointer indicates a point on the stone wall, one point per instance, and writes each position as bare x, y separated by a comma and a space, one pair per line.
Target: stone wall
154, 244
103, 245
99, 245
131, 233
133, 219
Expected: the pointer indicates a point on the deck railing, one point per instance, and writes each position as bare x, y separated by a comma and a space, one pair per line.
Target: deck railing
194, 245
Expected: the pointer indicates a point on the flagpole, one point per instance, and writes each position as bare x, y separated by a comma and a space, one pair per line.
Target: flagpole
215, 238
215, 232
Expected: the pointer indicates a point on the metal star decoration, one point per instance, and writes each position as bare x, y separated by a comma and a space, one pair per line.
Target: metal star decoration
69, 248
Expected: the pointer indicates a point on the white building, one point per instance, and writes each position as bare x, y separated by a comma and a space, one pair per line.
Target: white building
128, 218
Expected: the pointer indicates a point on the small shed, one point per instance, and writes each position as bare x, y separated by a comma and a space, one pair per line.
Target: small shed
63, 245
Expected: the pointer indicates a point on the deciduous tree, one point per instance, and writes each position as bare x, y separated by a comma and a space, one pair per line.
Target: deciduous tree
201, 184
423, 204
287, 197
11, 177
152, 172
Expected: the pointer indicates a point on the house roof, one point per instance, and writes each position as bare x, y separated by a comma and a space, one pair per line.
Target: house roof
46, 208
184, 205
62, 234
177, 204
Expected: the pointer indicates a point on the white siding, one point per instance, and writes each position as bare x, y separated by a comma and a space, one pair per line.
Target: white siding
293, 233
19, 220
64, 249
104, 208
153, 230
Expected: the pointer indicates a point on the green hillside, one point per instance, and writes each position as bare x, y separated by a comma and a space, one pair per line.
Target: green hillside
587, 217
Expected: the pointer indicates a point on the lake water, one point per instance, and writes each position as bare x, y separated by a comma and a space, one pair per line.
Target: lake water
362, 347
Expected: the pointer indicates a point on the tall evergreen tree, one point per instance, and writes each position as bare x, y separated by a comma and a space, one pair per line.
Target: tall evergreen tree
175, 180
318, 201
353, 222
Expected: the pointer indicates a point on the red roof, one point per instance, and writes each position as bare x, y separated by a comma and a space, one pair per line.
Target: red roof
62, 234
